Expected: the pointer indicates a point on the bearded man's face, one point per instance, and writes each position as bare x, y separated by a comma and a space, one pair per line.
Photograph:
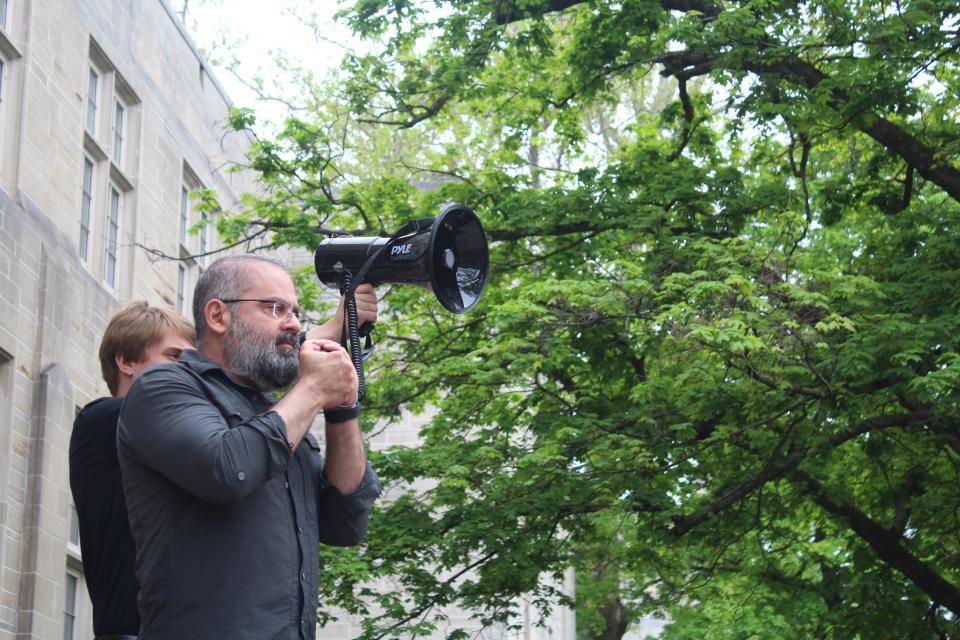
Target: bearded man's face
267, 362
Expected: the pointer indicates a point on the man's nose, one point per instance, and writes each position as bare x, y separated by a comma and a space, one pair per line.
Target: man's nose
291, 323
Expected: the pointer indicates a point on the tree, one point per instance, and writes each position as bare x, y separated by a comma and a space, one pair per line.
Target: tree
716, 366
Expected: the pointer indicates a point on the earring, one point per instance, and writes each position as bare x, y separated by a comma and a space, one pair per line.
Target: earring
129, 373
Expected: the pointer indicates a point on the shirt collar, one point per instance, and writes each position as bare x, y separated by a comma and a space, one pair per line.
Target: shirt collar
202, 365
197, 361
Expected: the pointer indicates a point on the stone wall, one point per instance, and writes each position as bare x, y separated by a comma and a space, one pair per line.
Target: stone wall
54, 304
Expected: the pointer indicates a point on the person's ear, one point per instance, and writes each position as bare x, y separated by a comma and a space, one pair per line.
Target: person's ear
124, 364
218, 316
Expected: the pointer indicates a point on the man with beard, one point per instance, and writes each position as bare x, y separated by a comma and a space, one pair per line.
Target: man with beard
227, 491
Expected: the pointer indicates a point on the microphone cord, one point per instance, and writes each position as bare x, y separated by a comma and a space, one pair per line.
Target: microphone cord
350, 282
353, 334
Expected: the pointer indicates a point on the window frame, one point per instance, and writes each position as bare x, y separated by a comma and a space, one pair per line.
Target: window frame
203, 248
111, 246
181, 288
70, 612
94, 78
73, 538
117, 132
86, 206
184, 213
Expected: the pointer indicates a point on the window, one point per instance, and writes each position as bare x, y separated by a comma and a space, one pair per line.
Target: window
181, 287
86, 204
112, 239
3, 89
70, 608
184, 214
93, 82
6, 124
193, 245
111, 129
203, 238
112, 117
74, 526
189, 185
118, 114
11, 84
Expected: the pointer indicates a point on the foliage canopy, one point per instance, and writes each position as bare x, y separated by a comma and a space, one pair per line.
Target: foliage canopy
716, 366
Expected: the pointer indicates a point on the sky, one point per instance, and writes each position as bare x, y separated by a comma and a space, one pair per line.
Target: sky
250, 30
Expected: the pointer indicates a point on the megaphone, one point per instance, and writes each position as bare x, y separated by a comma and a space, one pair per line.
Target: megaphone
446, 255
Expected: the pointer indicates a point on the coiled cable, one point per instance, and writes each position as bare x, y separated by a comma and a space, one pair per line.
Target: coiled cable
353, 334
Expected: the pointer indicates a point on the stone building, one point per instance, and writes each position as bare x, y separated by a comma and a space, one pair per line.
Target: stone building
109, 119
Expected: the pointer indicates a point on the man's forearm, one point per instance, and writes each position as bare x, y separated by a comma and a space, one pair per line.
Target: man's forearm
329, 330
298, 412
346, 461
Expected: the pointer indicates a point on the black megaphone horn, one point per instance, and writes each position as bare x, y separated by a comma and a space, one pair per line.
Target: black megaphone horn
446, 255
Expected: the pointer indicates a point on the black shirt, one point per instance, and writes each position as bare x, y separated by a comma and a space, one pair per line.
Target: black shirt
105, 539
226, 518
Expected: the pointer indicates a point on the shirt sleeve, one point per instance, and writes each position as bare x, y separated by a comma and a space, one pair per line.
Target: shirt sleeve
168, 424
342, 519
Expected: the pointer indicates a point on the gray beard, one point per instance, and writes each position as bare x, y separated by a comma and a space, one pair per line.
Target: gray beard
259, 360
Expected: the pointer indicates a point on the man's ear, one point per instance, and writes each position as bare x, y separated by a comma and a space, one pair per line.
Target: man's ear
218, 316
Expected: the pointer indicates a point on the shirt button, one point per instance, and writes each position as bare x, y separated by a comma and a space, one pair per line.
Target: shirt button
286, 485
241, 476
300, 530
303, 575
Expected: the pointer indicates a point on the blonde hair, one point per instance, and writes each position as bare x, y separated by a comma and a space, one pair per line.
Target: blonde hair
132, 330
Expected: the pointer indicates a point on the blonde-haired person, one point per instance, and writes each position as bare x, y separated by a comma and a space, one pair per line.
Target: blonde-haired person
138, 336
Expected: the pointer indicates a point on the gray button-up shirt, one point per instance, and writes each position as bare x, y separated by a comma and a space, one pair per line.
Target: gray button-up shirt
226, 518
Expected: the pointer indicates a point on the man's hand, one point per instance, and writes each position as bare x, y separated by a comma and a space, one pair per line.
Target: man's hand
327, 371
327, 379
367, 309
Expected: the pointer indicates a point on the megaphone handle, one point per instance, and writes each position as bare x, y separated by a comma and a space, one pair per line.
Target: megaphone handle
347, 283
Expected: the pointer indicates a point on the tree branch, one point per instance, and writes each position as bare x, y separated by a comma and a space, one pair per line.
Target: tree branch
507, 11
160, 255
688, 120
907, 188
888, 134
425, 112
769, 381
905, 492
886, 544
683, 524
687, 64
585, 226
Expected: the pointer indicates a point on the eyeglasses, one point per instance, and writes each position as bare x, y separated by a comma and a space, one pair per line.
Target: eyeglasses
280, 309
